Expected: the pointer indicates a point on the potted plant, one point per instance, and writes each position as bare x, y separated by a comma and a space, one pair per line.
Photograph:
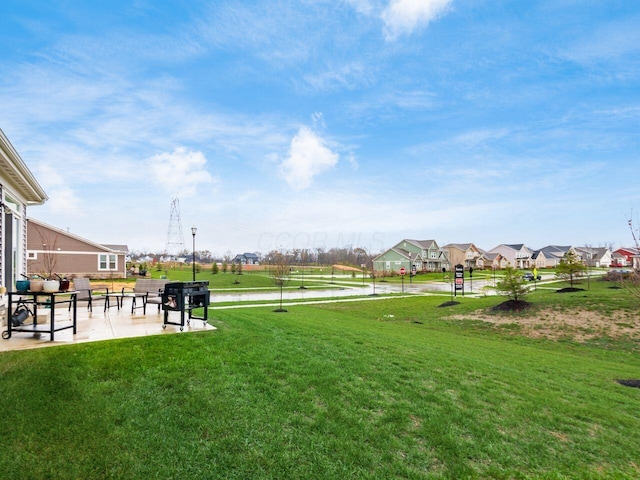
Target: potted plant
64, 283
37, 283
48, 264
51, 286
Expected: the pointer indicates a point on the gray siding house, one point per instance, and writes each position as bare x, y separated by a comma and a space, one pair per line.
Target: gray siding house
422, 255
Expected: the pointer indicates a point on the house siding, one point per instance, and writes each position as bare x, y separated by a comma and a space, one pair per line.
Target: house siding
72, 255
425, 256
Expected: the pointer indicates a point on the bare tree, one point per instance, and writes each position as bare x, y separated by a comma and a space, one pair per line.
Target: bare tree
279, 271
632, 283
635, 232
47, 266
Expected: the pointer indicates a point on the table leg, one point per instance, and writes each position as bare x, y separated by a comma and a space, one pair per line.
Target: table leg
52, 312
74, 299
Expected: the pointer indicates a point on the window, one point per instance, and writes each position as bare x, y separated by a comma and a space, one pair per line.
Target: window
433, 254
107, 261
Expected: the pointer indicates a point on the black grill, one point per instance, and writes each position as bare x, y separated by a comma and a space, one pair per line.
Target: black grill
185, 297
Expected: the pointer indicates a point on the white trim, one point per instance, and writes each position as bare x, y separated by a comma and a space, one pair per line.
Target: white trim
73, 252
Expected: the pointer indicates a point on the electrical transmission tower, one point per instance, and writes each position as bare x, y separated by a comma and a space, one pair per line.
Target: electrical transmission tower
175, 240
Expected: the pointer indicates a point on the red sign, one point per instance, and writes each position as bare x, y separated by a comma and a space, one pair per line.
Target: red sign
402, 271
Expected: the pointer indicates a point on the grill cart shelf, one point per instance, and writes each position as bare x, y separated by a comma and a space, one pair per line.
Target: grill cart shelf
184, 297
35, 303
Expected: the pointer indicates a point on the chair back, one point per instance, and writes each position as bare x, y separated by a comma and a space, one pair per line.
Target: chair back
83, 287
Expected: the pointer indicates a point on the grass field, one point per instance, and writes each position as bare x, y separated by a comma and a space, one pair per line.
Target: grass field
257, 279
394, 388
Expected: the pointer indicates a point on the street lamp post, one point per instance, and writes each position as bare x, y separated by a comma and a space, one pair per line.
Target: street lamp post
193, 258
410, 269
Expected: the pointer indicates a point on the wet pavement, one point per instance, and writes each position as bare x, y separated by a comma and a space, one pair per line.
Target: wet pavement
99, 325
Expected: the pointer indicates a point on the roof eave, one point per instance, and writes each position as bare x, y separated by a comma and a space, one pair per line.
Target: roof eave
18, 174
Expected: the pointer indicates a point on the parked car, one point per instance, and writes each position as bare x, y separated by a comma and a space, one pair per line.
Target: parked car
529, 277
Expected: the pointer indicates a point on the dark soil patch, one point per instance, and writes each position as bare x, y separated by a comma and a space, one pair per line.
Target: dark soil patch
512, 306
570, 289
449, 304
615, 287
629, 383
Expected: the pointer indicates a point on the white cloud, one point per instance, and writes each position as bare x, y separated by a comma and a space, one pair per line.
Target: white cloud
349, 76
180, 171
361, 6
405, 16
308, 157
62, 197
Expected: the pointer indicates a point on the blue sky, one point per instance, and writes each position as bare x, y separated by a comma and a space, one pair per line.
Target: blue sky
306, 124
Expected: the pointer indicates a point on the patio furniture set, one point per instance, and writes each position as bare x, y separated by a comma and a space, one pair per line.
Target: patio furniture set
182, 297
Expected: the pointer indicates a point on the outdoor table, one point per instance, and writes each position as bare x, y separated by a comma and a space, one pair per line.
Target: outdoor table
119, 296
33, 300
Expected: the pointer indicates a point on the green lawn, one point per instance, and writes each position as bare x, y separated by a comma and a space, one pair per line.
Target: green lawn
393, 388
250, 280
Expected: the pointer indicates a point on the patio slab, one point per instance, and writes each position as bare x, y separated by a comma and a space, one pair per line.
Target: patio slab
98, 325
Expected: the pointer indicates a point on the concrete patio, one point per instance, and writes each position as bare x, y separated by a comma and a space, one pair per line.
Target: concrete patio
100, 325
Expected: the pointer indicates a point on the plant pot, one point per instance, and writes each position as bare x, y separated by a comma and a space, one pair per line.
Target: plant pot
36, 285
22, 285
51, 286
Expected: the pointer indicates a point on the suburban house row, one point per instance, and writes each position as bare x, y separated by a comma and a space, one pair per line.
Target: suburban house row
428, 256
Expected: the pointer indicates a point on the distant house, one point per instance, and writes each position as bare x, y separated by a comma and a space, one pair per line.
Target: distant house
70, 254
421, 255
493, 261
600, 257
516, 254
553, 254
247, 259
539, 259
623, 257
466, 254
19, 189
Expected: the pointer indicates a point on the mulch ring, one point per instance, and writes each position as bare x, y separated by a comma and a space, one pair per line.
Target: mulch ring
570, 289
449, 304
512, 306
629, 383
